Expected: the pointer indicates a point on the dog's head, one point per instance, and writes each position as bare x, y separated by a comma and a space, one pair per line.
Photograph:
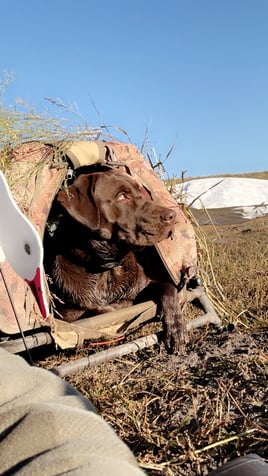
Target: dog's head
111, 204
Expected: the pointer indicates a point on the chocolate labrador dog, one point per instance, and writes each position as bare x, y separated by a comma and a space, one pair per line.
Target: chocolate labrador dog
98, 247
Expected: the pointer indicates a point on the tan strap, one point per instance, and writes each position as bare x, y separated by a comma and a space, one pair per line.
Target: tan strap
82, 153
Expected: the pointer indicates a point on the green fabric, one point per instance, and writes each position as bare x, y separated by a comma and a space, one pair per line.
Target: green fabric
49, 428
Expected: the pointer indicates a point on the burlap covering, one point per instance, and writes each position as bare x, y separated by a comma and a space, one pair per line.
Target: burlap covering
48, 428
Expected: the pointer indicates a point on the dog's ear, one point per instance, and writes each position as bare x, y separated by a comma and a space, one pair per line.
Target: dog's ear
78, 201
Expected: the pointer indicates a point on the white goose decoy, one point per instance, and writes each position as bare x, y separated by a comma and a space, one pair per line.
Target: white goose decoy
21, 245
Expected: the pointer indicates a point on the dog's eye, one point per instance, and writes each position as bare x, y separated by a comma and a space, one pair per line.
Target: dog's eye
122, 197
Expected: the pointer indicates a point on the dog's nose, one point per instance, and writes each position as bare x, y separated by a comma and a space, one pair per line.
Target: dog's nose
168, 215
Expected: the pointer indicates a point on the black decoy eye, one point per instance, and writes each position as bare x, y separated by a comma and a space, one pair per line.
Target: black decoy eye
27, 248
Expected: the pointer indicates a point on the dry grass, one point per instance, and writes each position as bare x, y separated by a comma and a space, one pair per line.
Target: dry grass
257, 175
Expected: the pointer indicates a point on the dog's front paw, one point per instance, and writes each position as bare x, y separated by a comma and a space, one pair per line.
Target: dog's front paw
175, 333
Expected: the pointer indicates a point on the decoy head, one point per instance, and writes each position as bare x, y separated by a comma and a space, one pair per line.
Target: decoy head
21, 245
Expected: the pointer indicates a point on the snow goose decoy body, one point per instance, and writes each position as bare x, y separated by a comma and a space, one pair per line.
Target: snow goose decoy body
21, 245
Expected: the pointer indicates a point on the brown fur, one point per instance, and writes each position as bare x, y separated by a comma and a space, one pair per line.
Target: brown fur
94, 257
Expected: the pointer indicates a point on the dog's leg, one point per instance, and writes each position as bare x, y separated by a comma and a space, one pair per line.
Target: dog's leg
175, 330
71, 314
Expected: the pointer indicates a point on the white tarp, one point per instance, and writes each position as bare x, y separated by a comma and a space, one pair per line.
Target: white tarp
225, 200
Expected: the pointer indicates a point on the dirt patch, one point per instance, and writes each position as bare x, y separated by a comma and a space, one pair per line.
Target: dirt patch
187, 414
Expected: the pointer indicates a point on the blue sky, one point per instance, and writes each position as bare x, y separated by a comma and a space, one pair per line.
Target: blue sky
192, 72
